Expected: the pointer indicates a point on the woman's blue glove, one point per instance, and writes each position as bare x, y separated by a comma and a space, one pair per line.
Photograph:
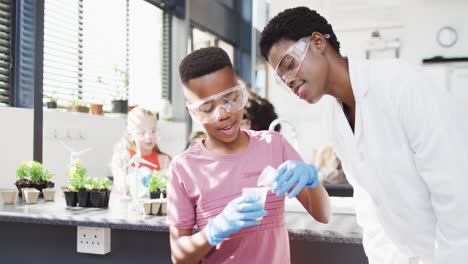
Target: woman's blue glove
293, 172
238, 214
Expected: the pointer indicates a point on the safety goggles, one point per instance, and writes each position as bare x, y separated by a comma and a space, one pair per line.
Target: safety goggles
291, 61
209, 109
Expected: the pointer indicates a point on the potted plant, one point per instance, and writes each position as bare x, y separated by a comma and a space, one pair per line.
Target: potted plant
78, 106
23, 177
33, 174
95, 108
157, 185
100, 192
52, 103
71, 196
120, 102
31, 195
80, 183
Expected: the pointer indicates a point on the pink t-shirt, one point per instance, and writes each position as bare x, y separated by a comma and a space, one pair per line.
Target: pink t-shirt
202, 183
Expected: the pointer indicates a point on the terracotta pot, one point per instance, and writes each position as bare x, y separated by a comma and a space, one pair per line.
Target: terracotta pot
130, 107
78, 108
95, 109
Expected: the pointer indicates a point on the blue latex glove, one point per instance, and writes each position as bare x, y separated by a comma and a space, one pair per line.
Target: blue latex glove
238, 214
293, 172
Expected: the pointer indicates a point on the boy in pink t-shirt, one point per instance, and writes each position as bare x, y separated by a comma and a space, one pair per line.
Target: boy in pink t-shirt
206, 182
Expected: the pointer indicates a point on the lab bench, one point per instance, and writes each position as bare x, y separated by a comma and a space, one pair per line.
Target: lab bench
47, 231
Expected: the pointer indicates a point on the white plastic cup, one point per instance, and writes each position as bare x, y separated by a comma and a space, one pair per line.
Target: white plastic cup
266, 177
260, 192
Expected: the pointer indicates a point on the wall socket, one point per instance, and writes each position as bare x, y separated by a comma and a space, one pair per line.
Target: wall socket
93, 240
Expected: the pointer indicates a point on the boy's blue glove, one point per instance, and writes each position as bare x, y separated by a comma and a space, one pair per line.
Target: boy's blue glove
293, 172
238, 214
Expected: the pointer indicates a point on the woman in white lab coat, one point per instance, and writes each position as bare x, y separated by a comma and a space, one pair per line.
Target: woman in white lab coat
395, 133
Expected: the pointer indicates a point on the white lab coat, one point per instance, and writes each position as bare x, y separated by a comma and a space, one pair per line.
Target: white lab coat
408, 163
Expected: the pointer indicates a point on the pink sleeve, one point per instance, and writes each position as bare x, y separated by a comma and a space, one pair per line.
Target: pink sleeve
180, 209
289, 153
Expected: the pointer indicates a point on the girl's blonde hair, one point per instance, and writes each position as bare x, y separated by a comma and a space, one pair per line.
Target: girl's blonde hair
129, 143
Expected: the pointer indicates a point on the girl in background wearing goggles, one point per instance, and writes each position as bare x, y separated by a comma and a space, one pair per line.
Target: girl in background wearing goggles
206, 181
141, 132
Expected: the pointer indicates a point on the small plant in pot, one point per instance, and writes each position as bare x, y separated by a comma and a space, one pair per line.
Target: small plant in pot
157, 185
71, 196
23, 177
78, 106
33, 174
100, 192
52, 103
120, 102
80, 183
95, 107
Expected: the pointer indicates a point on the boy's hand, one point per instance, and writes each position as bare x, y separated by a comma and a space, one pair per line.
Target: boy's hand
292, 173
238, 214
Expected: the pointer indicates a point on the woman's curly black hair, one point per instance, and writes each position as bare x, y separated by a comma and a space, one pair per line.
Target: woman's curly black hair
294, 24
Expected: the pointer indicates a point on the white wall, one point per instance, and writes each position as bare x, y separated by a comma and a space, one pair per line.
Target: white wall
414, 22
79, 131
16, 140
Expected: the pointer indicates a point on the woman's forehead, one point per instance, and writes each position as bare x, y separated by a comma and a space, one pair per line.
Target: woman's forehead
278, 50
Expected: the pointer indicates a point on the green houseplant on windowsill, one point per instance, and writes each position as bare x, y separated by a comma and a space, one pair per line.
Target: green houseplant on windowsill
120, 101
78, 106
52, 103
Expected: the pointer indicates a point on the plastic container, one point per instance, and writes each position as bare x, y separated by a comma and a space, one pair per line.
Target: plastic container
266, 177
260, 192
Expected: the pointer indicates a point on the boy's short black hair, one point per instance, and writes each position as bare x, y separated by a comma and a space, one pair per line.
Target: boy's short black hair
202, 62
294, 24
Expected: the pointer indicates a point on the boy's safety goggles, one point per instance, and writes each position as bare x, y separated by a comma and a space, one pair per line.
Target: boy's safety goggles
209, 109
291, 61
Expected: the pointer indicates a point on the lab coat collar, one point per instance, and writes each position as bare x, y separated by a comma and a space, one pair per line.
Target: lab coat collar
358, 74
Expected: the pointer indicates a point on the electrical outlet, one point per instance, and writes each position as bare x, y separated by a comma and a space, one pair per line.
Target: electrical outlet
93, 240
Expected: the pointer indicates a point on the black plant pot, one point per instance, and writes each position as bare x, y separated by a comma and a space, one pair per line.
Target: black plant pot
99, 199
22, 185
157, 195
120, 106
50, 184
83, 198
71, 198
39, 187
51, 105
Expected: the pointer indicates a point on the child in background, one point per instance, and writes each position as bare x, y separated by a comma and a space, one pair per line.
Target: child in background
259, 113
195, 137
206, 181
141, 133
